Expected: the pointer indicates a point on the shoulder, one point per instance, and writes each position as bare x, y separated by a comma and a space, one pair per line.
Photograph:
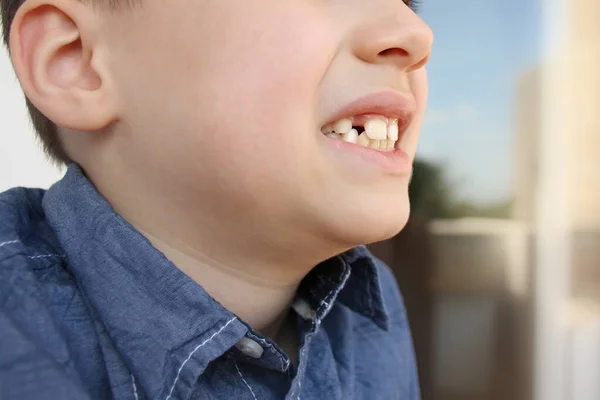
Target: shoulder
32, 283
27, 244
23, 227
32, 266
29, 255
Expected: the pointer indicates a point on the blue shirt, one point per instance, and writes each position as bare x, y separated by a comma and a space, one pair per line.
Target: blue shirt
89, 309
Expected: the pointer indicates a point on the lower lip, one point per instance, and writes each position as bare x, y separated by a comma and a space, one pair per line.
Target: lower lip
396, 162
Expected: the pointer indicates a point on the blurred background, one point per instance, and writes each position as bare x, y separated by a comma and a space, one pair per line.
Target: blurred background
500, 263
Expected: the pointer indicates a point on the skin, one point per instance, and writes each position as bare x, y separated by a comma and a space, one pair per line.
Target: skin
199, 121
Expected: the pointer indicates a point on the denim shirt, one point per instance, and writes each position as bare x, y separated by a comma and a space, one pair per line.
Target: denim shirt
89, 309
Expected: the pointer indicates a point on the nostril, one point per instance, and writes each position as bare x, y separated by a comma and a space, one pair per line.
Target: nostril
394, 52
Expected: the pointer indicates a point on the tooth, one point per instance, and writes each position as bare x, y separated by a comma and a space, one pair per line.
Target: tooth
391, 144
342, 126
364, 140
375, 144
333, 135
392, 129
327, 129
376, 129
350, 137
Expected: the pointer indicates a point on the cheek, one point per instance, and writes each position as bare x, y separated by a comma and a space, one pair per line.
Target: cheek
273, 75
224, 100
419, 88
258, 93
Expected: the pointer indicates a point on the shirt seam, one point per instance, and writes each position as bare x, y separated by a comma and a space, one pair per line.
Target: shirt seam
284, 363
135, 391
6, 243
194, 351
244, 380
24, 254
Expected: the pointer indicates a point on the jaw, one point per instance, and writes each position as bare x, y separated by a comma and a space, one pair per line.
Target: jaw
354, 213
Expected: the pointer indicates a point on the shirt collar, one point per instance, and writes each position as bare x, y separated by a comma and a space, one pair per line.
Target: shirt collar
352, 278
141, 300
144, 302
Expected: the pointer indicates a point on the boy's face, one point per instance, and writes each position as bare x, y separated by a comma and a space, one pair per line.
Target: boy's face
223, 102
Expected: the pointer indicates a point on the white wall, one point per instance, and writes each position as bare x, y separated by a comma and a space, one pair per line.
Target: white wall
22, 163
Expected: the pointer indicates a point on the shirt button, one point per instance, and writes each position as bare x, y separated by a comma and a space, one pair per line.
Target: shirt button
250, 348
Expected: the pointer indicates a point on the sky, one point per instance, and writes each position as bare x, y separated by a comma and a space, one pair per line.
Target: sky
481, 47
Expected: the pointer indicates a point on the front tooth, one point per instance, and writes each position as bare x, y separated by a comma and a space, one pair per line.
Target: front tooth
343, 125
376, 129
364, 140
392, 129
391, 144
350, 137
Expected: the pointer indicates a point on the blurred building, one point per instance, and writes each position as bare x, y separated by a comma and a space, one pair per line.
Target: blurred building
526, 151
584, 171
560, 102
481, 280
581, 88
580, 85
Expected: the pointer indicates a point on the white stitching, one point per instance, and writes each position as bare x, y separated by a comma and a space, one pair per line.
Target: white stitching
300, 360
325, 302
9, 242
246, 383
31, 257
195, 350
135, 393
45, 256
281, 359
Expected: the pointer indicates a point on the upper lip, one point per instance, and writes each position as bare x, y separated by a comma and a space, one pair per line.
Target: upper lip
390, 104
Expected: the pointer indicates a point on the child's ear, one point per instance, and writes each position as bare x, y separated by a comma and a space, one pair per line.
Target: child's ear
60, 66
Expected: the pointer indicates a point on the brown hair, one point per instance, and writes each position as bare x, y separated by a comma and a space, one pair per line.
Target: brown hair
47, 130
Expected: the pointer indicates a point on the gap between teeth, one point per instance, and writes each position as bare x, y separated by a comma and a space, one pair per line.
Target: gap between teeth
379, 133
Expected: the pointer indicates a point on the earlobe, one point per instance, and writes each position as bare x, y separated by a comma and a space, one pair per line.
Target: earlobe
54, 58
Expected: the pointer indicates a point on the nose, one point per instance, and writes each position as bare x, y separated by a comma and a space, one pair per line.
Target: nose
399, 38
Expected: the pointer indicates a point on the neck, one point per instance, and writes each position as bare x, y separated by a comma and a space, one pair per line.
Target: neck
259, 301
252, 272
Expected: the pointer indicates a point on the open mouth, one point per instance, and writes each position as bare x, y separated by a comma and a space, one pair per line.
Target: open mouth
372, 131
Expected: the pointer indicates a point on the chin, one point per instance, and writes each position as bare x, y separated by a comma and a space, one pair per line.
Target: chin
355, 227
